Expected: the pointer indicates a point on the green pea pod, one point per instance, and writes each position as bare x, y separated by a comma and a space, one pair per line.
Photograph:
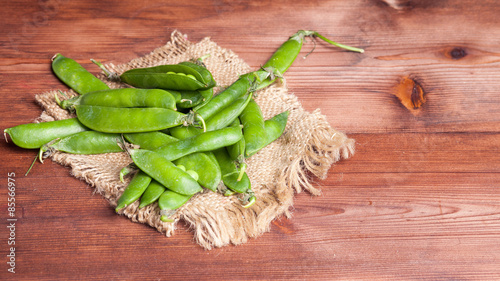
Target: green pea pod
275, 67
275, 127
75, 76
169, 201
230, 172
236, 90
170, 77
127, 97
152, 193
149, 140
207, 169
164, 171
209, 174
128, 120
203, 142
86, 142
202, 70
237, 150
35, 135
254, 130
134, 190
228, 114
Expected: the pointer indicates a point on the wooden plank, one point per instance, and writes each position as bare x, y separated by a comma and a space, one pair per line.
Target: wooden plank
418, 200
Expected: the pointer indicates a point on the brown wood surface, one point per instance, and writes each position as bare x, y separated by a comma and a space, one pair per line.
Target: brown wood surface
420, 199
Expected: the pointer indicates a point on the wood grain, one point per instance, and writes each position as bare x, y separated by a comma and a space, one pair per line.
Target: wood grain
418, 200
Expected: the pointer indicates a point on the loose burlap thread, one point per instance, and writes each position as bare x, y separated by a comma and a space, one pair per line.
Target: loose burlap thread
307, 150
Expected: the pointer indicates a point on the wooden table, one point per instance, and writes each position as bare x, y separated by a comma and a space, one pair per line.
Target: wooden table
420, 199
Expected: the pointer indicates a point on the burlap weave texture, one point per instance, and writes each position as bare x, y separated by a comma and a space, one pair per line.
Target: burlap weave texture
309, 147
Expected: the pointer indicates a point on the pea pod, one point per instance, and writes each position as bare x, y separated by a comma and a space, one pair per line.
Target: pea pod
190, 99
152, 193
134, 190
201, 163
75, 76
276, 66
164, 171
236, 90
169, 201
254, 130
34, 135
203, 142
228, 114
209, 174
275, 127
86, 142
170, 77
202, 70
149, 140
230, 172
237, 150
127, 97
128, 120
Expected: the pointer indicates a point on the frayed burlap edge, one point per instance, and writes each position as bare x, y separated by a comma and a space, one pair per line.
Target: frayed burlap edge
307, 150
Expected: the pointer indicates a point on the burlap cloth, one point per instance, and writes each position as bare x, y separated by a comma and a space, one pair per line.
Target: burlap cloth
306, 150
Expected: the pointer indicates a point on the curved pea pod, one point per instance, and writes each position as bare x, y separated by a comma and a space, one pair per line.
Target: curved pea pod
127, 97
149, 140
134, 190
230, 172
75, 76
164, 171
275, 127
202, 70
254, 130
237, 150
35, 135
152, 193
209, 173
128, 120
169, 201
86, 142
200, 143
170, 77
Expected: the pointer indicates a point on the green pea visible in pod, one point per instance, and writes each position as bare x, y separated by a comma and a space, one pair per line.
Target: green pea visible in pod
209, 174
164, 171
253, 128
134, 190
169, 77
86, 142
149, 140
34, 135
127, 97
75, 76
128, 120
202, 70
170, 201
190, 99
152, 193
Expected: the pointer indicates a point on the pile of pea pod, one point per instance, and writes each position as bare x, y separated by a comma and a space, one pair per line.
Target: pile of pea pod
180, 136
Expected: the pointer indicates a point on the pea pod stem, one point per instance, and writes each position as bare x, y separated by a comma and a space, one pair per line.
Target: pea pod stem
349, 48
111, 75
